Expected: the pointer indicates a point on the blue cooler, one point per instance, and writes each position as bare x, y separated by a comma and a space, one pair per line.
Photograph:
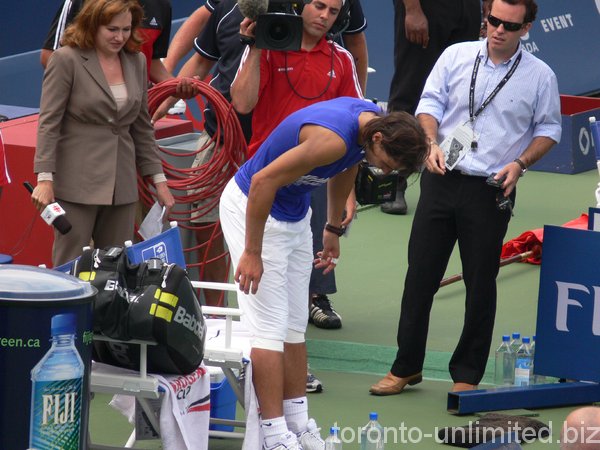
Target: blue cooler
222, 399
45, 358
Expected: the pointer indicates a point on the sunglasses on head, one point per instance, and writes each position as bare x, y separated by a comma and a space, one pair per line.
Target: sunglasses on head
508, 26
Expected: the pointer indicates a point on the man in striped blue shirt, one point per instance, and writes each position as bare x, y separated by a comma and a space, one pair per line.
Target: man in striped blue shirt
487, 107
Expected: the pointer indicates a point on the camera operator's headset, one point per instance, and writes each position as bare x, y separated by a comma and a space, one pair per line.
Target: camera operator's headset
343, 20
341, 23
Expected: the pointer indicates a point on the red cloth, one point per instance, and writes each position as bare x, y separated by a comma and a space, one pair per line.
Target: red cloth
532, 240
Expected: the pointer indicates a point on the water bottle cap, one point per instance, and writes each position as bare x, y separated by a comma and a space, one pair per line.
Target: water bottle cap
533, 338
525, 340
62, 324
333, 430
373, 415
505, 338
516, 335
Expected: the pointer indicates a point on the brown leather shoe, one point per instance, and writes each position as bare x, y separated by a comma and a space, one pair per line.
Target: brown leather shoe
391, 384
460, 387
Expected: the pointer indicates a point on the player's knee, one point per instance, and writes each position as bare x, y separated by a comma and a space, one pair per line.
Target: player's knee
268, 344
294, 337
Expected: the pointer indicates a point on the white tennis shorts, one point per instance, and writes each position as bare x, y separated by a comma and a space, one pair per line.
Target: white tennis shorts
281, 302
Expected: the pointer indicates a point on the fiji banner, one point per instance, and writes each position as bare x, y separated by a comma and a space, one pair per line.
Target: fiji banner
568, 318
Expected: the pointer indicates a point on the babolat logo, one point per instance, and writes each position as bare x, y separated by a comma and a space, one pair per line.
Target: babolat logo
189, 321
113, 285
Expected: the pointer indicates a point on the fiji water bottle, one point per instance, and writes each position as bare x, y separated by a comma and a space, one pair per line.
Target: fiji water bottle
333, 442
504, 373
523, 364
372, 435
515, 342
57, 382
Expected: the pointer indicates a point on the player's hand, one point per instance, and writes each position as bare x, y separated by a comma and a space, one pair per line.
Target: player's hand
249, 272
326, 261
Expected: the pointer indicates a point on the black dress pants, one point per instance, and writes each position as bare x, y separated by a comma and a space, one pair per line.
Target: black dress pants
451, 208
450, 22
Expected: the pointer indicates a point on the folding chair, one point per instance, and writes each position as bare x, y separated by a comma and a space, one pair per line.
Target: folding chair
167, 246
66, 267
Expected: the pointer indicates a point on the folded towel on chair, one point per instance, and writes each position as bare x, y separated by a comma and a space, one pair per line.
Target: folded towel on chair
185, 407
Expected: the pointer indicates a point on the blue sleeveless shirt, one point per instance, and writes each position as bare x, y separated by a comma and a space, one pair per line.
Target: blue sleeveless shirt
339, 115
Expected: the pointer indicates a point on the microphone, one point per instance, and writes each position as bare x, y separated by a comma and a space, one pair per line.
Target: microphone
253, 8
53, 214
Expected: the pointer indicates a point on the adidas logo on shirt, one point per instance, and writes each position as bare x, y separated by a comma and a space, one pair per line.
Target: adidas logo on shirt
153, 22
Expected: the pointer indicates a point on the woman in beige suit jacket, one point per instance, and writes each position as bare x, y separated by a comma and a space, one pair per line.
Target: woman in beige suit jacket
94, 129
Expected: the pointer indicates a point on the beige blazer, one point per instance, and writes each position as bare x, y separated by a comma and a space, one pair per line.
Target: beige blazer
92, 148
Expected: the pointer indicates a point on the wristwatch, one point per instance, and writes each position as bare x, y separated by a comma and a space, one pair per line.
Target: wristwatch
335, 230
522, 165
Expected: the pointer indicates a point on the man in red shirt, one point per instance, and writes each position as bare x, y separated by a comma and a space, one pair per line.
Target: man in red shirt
274, 84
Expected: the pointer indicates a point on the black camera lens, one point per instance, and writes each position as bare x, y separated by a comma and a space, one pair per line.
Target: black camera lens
279, 32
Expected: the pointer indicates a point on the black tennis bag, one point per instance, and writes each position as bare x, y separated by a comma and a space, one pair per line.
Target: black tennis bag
109, 271
162, 307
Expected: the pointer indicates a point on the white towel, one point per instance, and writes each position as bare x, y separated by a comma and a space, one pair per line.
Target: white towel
253, 439
185, 410
185, 407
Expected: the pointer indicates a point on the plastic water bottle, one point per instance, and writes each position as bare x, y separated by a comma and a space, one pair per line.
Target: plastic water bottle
515, 342
537, 379
333, 442
372, 435
56, 393
524, 364
504, 374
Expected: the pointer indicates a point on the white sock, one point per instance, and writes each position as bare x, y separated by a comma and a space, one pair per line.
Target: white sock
296, 414
273, 429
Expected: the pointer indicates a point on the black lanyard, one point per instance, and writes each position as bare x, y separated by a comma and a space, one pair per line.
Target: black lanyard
473, 115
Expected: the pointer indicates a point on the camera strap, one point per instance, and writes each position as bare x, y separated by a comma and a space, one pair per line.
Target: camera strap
287, 76
487, 101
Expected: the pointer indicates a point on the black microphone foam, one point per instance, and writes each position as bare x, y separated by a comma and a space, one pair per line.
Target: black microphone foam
62, 224
253, 8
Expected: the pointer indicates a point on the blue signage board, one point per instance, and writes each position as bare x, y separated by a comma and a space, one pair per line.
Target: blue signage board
565, 35
568, 317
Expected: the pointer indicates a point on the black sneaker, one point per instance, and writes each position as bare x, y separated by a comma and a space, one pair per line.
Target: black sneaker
313, 384
322, 314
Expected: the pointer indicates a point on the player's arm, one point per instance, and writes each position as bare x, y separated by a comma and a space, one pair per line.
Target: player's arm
318, 146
